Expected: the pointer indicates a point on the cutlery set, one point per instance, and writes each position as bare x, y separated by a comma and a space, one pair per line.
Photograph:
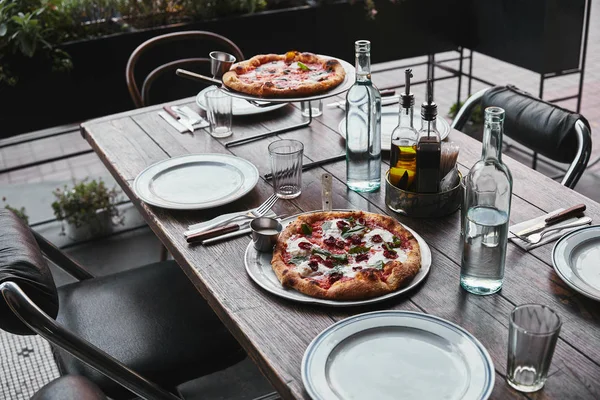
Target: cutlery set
217, 229
557, 221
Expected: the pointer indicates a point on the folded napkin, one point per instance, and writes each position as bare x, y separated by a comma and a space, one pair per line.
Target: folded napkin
202, 123
549, 237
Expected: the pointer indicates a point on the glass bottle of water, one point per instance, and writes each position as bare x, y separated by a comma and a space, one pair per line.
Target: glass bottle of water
486, 210
363, 126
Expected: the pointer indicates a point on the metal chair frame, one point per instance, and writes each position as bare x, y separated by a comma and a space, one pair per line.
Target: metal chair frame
141, 99
45, 326
577, 166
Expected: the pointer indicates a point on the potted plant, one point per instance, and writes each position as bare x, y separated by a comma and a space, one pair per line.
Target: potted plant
87, 210
474, 126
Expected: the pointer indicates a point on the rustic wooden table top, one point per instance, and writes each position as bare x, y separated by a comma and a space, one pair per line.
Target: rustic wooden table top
276, 332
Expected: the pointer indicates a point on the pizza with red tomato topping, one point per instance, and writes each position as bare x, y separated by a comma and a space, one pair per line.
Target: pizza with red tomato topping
346, 255
285, 75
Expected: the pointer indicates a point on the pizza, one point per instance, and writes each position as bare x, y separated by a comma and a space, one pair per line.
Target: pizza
345, 255
285, 75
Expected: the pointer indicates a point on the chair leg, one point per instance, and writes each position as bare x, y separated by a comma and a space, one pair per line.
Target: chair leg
164, 253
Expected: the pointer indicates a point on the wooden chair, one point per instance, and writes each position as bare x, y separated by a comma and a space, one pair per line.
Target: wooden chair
546, 129
141, 99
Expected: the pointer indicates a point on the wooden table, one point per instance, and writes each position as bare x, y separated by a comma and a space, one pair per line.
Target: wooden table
276, 332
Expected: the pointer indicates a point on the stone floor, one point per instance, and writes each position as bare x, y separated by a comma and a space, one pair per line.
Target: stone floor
25, 363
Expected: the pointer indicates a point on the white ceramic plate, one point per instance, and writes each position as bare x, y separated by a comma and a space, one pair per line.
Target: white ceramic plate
239, 106
258, 266
389, 121
195, 182
575, 258
341, 88
397, 355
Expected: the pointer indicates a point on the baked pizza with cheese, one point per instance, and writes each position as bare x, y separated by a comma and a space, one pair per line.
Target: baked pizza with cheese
346, 255
292, 74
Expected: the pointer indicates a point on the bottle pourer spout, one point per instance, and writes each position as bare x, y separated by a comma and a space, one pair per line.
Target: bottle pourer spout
407, 99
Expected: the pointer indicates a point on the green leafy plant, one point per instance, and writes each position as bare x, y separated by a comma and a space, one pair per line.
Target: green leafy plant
19, 212
28, 28
476, 116
81, 204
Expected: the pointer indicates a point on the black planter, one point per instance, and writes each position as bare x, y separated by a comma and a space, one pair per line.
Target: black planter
96, 86
540, 35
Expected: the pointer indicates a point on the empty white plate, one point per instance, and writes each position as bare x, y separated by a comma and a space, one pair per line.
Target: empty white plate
389, 121
396, 355
258, 266
575, 258
194, 182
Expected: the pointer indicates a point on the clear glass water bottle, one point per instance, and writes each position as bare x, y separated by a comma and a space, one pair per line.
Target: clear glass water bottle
403, 153
486, 209
363, 126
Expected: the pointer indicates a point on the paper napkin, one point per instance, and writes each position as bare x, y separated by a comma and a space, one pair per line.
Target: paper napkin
549, 237
182, 129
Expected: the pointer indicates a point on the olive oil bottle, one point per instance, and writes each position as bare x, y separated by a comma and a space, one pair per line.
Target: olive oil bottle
403, 154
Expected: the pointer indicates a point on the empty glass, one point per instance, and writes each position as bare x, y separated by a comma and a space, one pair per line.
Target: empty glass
218, 111
316, 105
286, 167
532, 336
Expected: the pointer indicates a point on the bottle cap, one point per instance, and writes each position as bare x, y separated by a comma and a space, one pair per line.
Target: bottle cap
429, 108
407, 99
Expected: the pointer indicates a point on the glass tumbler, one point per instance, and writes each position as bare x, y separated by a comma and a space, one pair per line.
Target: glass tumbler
533, 332
315, 105
286, 167
219, 113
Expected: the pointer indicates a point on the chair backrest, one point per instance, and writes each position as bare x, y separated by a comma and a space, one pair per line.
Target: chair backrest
141, 98
545, 128
22, 262
70, 387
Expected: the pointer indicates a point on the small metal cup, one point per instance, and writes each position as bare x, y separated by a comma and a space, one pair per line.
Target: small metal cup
220, 62
265, 232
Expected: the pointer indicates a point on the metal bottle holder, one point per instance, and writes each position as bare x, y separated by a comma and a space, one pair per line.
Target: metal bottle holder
423, 205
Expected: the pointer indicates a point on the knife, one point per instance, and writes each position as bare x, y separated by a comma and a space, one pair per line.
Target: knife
183, 121
553, 219
314, 164
237, 233
201, 236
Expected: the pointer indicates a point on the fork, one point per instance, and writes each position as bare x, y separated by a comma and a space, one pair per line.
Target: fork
257, 212
537, 237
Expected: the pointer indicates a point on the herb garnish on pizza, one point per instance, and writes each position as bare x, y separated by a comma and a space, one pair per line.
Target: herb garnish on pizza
285, 75
346, 255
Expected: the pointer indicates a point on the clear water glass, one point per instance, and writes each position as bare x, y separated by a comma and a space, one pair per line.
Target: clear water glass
315, 105
286, 167
219, 113
533, 332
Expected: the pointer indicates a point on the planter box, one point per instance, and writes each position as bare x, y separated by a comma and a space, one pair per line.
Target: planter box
96, 86
540, 35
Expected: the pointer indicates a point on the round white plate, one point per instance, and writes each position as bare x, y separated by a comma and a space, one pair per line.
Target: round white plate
389, 121
239, 106
575, 258
341, 88
258, 266
195, 182
397, 355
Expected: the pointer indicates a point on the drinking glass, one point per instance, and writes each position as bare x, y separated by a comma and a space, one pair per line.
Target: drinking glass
316, 105
533, 332
219, 112
286, 167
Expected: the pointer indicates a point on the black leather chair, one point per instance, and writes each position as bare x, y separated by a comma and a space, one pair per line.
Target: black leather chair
555, 133
70, 387
144, 330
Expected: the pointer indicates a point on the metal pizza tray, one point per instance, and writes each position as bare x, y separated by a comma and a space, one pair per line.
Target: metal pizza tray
258, 267
341, 88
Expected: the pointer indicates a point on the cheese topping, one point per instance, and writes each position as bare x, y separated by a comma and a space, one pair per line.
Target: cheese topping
385, 235
376, 253
293, 248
